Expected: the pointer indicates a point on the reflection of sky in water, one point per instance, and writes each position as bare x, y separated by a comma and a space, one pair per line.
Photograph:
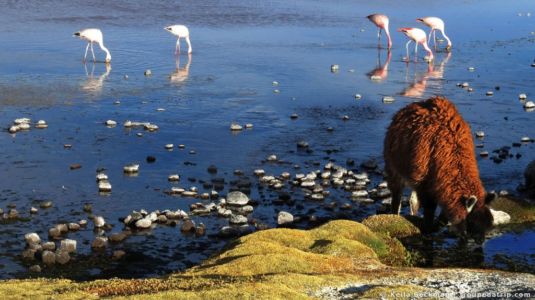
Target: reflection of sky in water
239, 49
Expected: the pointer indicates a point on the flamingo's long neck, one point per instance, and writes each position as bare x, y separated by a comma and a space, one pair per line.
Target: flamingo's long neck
429, 52
388, 36
108, 55
447, 38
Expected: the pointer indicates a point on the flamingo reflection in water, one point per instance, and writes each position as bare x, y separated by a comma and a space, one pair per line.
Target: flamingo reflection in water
434, 75
380, 72
92, 84
180, 74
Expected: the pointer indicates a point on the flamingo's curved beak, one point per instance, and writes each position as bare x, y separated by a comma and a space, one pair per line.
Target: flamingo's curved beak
420, 20
76, 34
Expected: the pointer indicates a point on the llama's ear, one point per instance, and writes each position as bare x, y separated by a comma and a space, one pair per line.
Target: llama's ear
491, 196
470, 203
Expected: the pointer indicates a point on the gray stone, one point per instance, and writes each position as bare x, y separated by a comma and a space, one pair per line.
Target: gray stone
118, 237
118, 254
50, 246
35, 269
73, 226
99, 243
54, 232
62, 257
68, 246
237, 198
187, 226
28, 254
49, 257
238, 219
284, 218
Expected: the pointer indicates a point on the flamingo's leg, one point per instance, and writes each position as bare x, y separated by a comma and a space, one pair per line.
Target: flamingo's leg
93, 52
429, 39
407, 47
86, 48
177, 48
435, 37
189, 44
416, 49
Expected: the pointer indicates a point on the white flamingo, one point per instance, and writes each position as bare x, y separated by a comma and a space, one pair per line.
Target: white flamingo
93, 35
435, 24
418, 36
381, 21
180, 31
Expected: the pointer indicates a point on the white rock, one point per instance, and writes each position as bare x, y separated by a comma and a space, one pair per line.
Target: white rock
235, 127
284, 218
223, 212
104, 186
525, 139
529, 105
101, 177
41, 124
22, 121
144, 223
99, 221
489, 93
522, 96
32, 238
465, 84
174, 177
177, 190
131, 168
68, 245
169, 146
249, 125
62, 257
259, 172
14, 129
24, 126
111, 123
480, 134
358, 96
359, 194
500, 217
272, 157
388, 99
335, 68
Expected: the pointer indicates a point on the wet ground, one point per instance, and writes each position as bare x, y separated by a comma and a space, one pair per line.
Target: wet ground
240, 48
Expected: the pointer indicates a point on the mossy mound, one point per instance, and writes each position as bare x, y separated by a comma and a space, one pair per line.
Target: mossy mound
270, 264
392, 225
520, 211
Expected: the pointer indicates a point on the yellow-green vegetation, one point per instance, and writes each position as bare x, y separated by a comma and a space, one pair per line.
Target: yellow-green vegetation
391, 225
270, 264
519, 210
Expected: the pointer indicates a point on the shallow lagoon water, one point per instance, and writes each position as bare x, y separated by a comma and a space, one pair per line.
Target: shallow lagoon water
240, 48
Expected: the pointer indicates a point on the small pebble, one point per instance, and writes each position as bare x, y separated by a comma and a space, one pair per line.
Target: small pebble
169, 146
111, 123
489, 93
484, 153
173, 177
529, 104
35, 269
293, 116
148, 72
235, 127
388, 99
471, 69
522, 96
131, 168
335, 68
358, 96
46, 204
480, 134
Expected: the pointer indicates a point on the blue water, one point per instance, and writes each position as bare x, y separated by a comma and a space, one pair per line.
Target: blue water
240, 48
